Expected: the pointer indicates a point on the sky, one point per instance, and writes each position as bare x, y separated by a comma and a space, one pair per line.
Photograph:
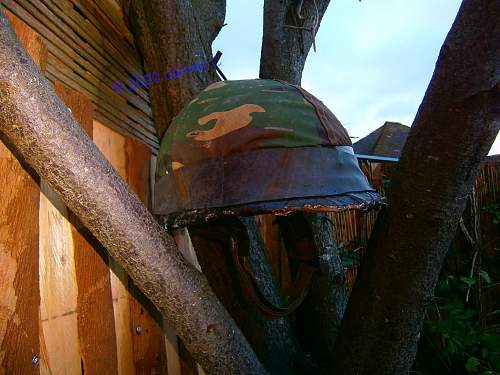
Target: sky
374, 58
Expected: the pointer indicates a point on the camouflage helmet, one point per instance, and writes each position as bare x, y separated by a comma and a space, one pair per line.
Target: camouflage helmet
256, 146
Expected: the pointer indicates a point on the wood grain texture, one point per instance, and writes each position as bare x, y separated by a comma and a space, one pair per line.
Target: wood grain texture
94, 302
63, 304
87, 40
147, 336
47, 135
31, 40
58, 288
172, 350
188, 364
19, 231
112, 145
19, 290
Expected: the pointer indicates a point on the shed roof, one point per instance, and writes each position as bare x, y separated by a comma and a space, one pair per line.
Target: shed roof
388, 140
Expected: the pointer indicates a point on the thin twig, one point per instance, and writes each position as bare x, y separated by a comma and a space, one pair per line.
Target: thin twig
315, 25
313, 30
466, 233
298, 27
470, 275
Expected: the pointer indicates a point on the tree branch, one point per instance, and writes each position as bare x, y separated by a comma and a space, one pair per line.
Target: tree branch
157, 26
272, 340
453, 131
287, 38
324, 306
169, 35
43, 131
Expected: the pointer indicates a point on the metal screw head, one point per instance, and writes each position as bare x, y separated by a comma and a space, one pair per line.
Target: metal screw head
35, 360
138, 330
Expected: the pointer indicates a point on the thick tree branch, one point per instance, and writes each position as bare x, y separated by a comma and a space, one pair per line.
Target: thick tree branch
44, 132
176, 33
284, 52
454, 128
324, 306
287, 38
173, 34
272, 340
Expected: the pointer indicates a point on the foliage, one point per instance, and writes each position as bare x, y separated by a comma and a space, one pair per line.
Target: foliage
351, 253
494, 210
465, 346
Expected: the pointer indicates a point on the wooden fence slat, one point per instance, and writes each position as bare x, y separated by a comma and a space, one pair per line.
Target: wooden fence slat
92, 37
46, 20
112, 10
19, 288
96, 44
172, 350
112, 145
19, 233
58, 287
94, 302
147, 336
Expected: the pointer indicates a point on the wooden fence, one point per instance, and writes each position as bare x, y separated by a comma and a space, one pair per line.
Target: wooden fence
65, 307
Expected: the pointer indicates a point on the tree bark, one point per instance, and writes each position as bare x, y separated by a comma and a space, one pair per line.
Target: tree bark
324, 306
272, 340
172, 34
178, 33
284, 52
286, 42
453, 131
40, 127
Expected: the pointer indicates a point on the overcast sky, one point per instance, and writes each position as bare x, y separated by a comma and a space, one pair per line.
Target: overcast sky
374, 58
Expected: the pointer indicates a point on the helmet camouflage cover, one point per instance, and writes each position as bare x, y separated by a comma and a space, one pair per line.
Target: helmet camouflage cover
253, 146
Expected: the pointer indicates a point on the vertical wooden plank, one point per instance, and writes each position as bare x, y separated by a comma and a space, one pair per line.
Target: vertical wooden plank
188, 364
19, 290
152, 180
19, 231
96, 327
112, 145
172, 350
147, 334
183, 362
58, 288
185, 246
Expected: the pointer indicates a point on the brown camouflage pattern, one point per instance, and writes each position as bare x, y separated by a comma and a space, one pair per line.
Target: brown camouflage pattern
232, 117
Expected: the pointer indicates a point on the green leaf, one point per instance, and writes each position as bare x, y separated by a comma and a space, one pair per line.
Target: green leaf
467, 280
472, 365
486, 278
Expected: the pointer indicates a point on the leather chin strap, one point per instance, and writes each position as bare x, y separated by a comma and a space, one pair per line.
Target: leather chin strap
255, 297
239, 246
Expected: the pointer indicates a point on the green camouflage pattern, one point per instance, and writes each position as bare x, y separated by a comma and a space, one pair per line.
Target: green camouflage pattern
231, 117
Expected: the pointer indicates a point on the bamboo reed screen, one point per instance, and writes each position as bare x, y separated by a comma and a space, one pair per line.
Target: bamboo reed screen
89, 48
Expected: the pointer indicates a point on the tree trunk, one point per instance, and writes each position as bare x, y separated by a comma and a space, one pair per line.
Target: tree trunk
323, 309
272, 340
453, 131
176, 33
170, 37
287, 38
284, 52
43, 131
